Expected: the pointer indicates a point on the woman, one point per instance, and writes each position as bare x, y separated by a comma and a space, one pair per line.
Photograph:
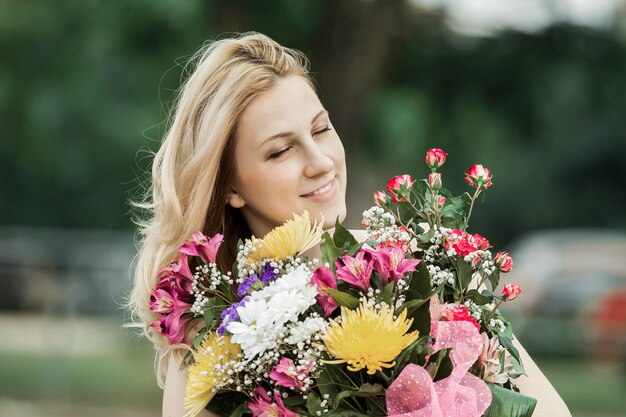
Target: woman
249, 144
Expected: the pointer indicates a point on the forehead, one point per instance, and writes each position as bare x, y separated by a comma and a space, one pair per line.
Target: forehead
289, 105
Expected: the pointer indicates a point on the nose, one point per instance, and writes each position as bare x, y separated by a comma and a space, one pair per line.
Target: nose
318, 162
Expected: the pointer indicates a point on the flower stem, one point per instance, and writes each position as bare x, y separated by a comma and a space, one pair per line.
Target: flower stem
471, 207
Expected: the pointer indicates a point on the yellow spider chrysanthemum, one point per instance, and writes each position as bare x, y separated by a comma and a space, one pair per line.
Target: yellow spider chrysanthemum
203, 380
293, 238
367, 337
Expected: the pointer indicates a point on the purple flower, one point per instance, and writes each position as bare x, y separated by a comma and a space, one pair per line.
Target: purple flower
268, 274
244, 287
230, 314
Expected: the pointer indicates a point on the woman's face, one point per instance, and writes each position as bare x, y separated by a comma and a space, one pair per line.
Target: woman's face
288, 158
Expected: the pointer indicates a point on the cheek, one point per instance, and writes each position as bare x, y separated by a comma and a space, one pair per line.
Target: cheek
269, 182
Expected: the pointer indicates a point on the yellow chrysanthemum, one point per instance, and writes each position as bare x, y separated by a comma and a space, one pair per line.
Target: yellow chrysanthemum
293, 238
203, 381
367, 337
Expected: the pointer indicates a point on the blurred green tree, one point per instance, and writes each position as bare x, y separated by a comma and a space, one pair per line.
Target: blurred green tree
84, 85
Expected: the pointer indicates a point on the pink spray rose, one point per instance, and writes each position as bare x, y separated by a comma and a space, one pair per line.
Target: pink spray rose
435, 157
395, 185
478, 176
454, 312
434, 180
380, 198
480, 242
511, 291
504, 262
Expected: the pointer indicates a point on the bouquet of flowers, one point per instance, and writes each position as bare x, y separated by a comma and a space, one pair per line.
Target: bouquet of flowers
399, 325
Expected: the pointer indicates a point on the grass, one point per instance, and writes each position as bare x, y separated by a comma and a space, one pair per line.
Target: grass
121, 379
587, 388
122, 375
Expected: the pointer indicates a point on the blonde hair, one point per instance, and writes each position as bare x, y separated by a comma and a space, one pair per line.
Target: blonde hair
194, 165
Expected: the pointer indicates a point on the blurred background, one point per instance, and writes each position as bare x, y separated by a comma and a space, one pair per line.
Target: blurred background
532, 89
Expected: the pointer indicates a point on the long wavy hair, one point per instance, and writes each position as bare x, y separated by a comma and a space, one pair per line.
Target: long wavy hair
195, 165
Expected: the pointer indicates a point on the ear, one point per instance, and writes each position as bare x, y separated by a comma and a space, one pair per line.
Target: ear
234, 199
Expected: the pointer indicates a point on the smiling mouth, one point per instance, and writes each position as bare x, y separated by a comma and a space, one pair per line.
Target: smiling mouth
323, 190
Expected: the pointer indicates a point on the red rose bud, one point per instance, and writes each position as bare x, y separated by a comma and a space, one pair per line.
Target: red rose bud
504, 262
398, 187
478, 176
434, 180
441, 200
380, 198
435, 157
511, 291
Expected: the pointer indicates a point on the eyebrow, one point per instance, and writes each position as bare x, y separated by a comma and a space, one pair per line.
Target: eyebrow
287, 134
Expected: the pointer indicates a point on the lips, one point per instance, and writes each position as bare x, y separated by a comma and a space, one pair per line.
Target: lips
322, 190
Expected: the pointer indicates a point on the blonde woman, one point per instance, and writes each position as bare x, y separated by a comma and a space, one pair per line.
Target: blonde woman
249, 143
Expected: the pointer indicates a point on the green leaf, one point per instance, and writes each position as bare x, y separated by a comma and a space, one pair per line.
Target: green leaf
411, 354
368, 390
411, 306
425, 237
506, 341
440, 364
341, 396
464, 273
330, 252
198, 339
209, 312
239, 411
494, 279
419, 284
505, 402
313, 404
387, 294
343, 238
343, 298
406, 212
480, 298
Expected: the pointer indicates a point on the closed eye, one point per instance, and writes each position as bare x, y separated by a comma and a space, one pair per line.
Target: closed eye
280, 152
327, 128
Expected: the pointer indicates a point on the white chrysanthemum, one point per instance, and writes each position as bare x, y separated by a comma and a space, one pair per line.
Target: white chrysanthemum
254, 331
299, 280
303, 331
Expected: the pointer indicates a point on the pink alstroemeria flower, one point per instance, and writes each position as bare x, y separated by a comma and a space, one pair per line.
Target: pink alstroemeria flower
181, 273
202, 246
172, 326
262, 406
164, 302
391, 262
287, 375
356, 270
323, 279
